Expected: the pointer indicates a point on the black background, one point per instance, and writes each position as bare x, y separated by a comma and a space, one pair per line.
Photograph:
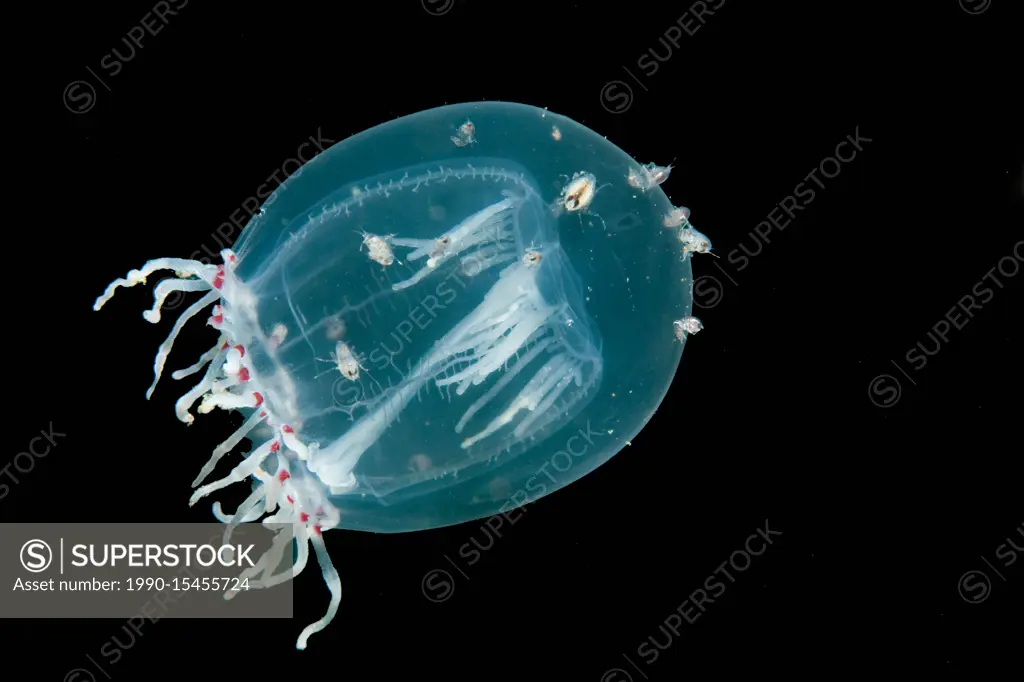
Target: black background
884, 499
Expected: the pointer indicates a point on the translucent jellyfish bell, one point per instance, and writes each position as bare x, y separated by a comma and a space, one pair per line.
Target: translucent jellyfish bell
436, 320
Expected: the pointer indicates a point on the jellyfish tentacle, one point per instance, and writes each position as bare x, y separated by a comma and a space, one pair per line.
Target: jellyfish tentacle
185, 402
488, 226
165, 348
502, 383
302, 556
165, 288
229, 444
542, 408
414, 244
272, 558
241, 472
265, 564
187, 268
333, 584
545, 417
227, 384
503, 348
308, 511
535, 390
253, 511
416, 277
250, 509
227, 400
205, 358
471, 265
192, 276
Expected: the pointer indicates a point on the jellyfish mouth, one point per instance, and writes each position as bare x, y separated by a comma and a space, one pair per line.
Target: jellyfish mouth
289, 495
505, 334
484, 240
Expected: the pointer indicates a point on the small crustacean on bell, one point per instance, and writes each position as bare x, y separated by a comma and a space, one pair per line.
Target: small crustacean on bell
345, 361
466, 135
440, 251
379, 248
532, 258
277, 335
677, 217
648, 176
687, 325
577, 195
578, 192
694, 242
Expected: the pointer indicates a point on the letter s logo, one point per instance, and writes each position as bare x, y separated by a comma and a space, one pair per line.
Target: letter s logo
36, 556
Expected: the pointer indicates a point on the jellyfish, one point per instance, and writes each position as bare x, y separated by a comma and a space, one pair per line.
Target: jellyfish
439, 319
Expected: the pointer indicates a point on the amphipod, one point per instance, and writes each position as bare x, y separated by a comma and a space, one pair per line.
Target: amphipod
466, 135
677, 217
648, 176
345, 361
694, 241
578, 192
440, 251
687, 325
657, 174
379, 248
577, 195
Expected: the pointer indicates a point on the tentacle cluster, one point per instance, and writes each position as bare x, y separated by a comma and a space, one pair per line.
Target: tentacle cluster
289, 495
505, 333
